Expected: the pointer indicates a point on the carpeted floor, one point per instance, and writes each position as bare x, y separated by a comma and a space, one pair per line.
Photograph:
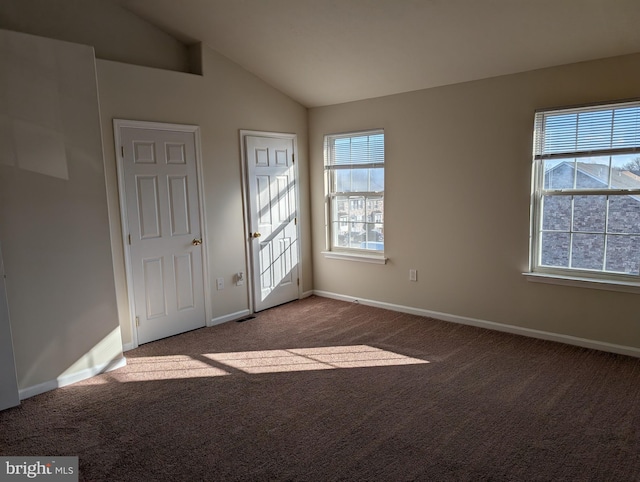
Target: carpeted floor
323, 390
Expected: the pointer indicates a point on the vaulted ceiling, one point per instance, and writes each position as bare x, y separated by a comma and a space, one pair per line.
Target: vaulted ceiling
323, 52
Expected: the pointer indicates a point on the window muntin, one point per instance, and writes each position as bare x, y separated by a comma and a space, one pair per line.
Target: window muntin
586, 211
354, 181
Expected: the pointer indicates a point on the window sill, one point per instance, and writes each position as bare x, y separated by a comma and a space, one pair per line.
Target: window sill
364, 258
598, 284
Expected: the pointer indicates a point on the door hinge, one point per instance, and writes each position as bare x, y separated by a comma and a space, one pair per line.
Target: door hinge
293, 158
137, 321
298, 281
295, 221
129, 236
122, 151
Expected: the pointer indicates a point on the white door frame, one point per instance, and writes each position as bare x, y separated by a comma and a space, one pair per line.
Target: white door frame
9, 393
124, 222
247, 205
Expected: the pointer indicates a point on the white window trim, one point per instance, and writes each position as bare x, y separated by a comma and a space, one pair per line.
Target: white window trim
356, 256
579, 282
593, 279
345, 253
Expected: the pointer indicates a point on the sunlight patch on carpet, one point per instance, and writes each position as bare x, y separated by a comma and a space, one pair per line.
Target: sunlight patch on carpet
166, 367
304, 359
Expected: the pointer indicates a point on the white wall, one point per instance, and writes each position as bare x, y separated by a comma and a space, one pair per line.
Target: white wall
114, 33
458, 182
223, 101
53, 212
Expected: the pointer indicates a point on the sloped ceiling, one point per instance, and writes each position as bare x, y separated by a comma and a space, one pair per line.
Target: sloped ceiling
323, 52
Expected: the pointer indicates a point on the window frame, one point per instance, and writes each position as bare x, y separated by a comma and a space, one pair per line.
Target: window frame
346, 252
591, 278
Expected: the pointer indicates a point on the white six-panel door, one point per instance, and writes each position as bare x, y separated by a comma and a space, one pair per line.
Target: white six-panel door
272, 220
164, 233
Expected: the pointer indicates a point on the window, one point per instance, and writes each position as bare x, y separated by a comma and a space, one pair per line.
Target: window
354, 181
586, 202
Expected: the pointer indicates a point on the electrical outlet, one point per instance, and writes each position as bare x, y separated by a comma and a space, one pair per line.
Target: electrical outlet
220, 284
240, 278
413, 275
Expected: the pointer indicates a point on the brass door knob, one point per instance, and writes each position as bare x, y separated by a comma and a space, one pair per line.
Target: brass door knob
196, 242
256, 235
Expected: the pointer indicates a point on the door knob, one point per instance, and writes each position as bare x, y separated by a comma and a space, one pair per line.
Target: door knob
196, 242
256, 235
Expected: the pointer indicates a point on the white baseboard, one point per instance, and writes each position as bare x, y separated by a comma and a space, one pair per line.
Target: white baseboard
244, 313
490, 325
71, 378
230, 317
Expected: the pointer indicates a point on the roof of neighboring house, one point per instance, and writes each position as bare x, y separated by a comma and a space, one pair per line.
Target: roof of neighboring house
621, 178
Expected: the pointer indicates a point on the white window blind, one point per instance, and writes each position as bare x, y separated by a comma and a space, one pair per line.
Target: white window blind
365, 149
588, 131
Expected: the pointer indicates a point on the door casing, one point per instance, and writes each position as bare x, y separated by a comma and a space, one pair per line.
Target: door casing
9, 393
247, 205
123, 123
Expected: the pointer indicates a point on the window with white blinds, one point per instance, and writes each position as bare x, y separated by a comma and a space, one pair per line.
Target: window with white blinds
354, 182
586, 202
586, 131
